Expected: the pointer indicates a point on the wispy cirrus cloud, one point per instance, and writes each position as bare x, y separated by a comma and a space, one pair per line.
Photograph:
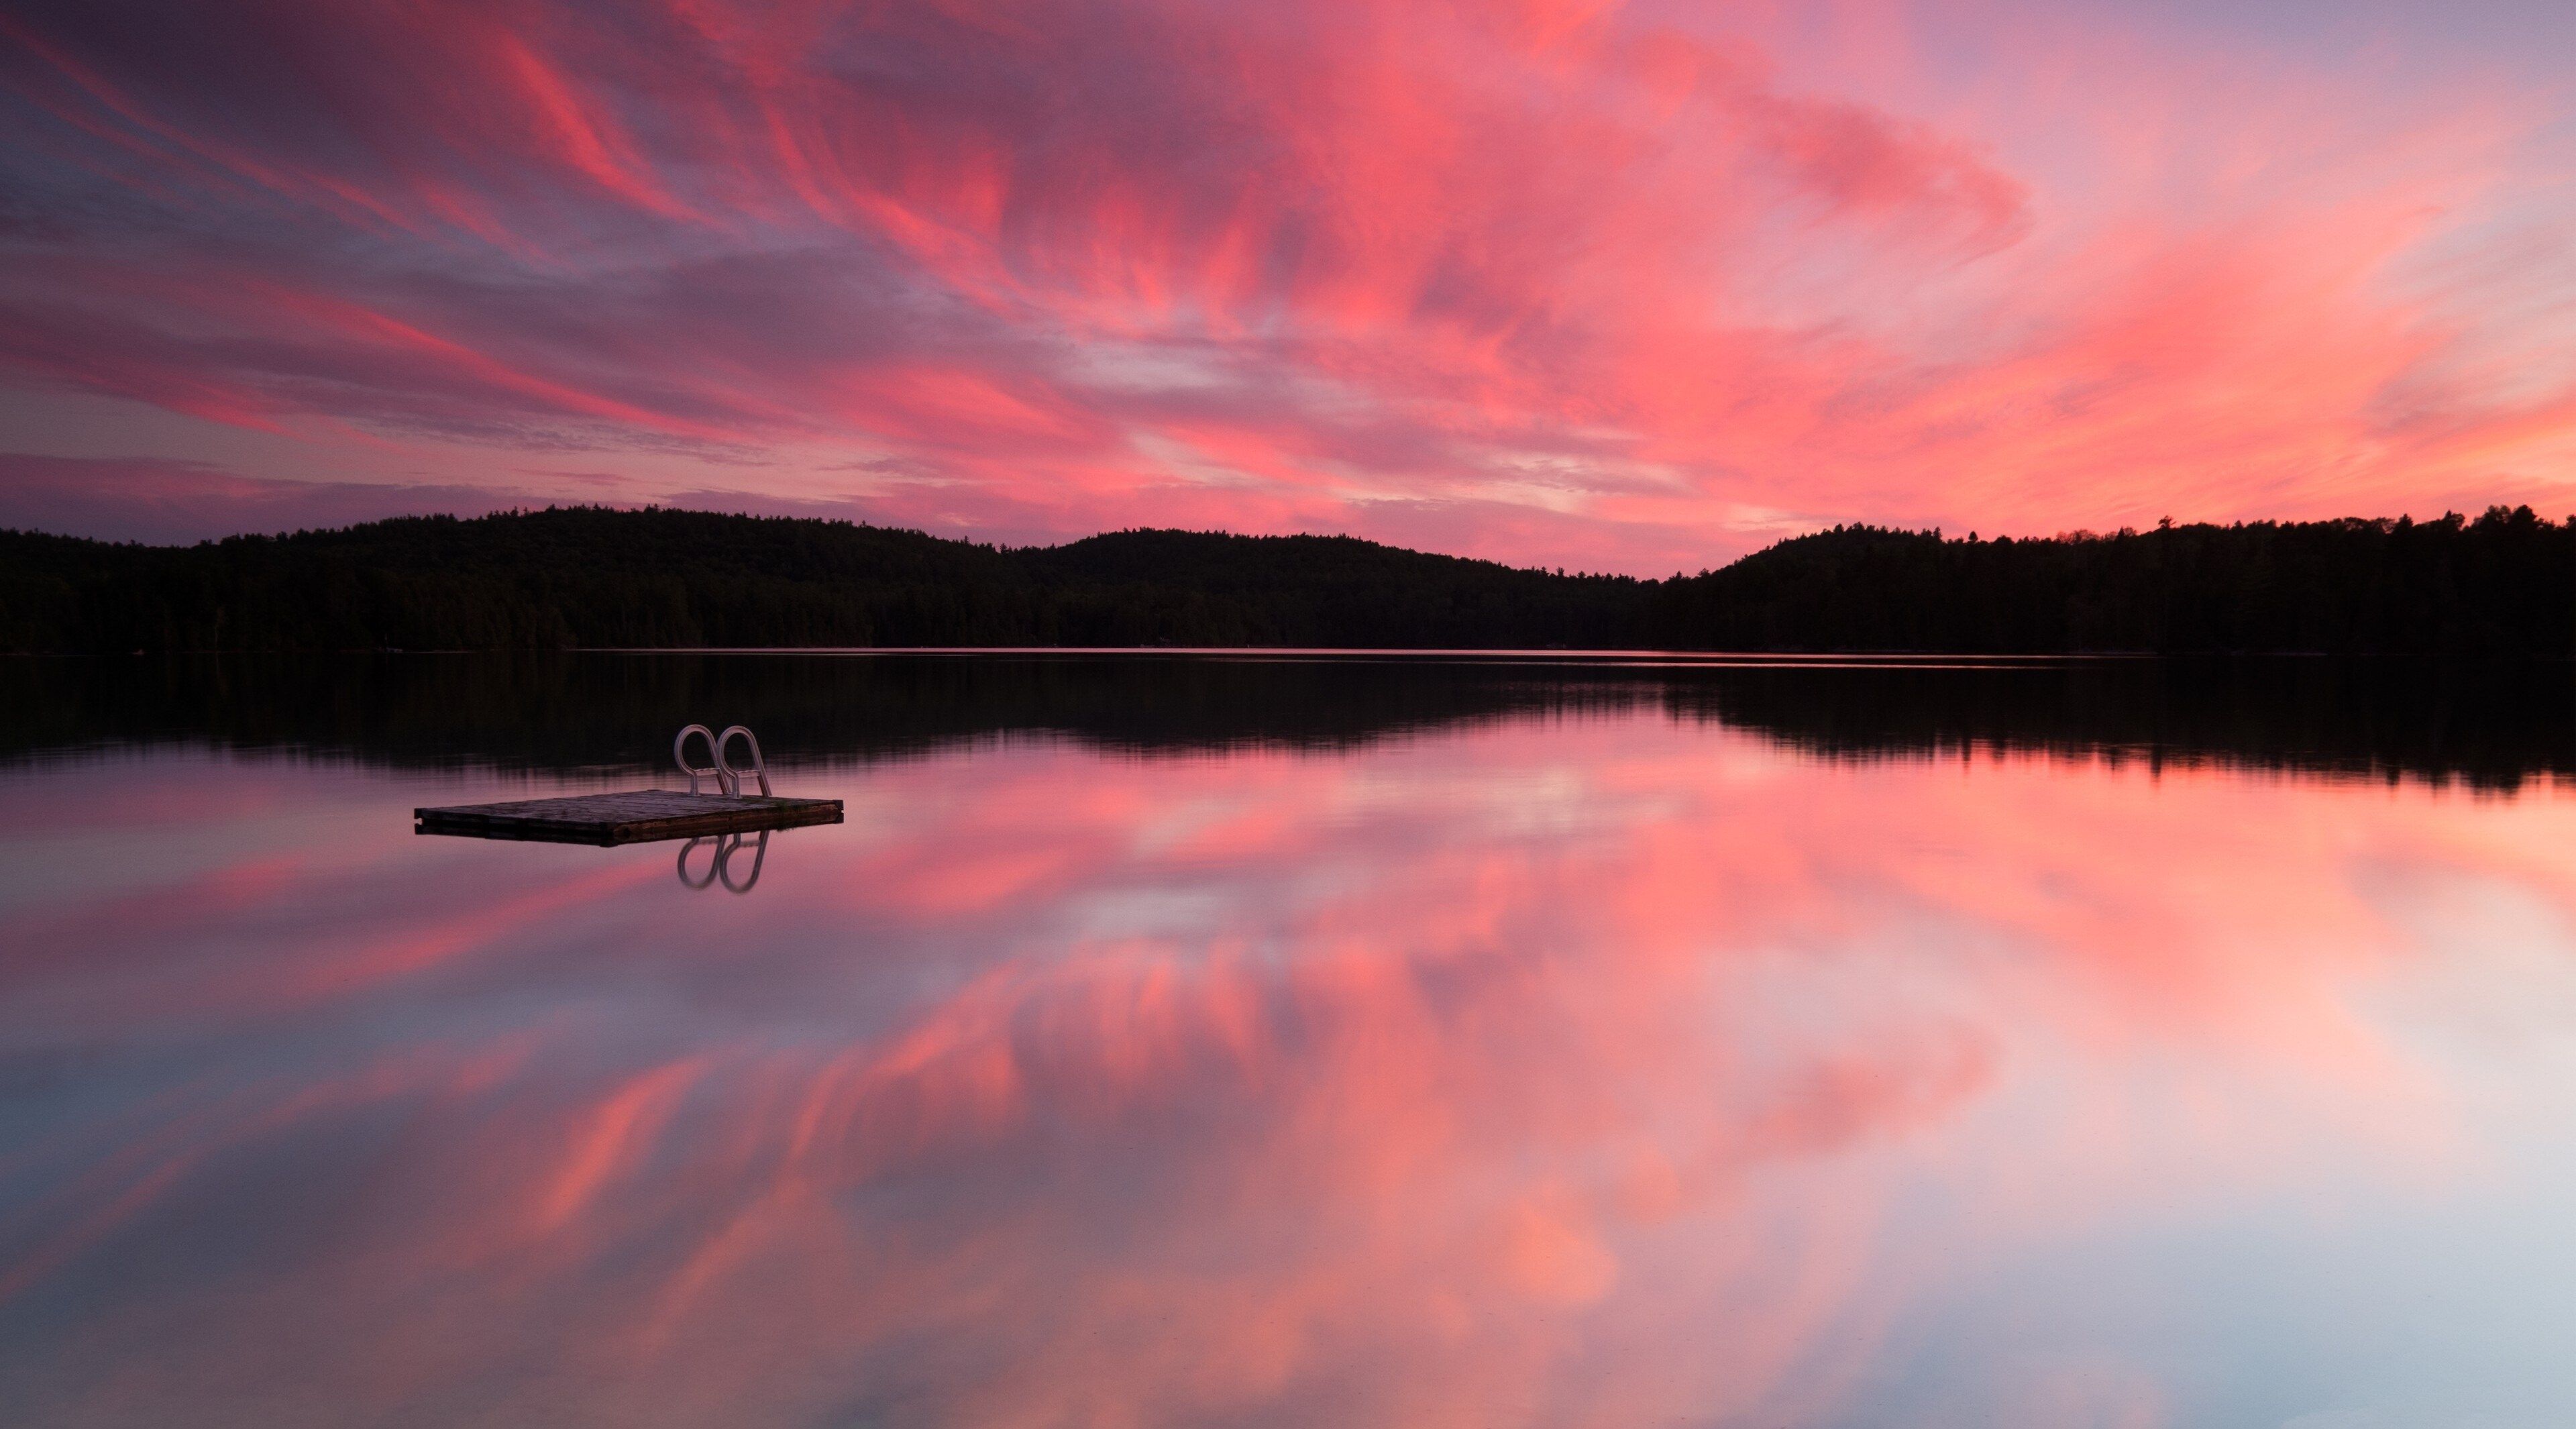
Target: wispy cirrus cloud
1588, 283
169, 503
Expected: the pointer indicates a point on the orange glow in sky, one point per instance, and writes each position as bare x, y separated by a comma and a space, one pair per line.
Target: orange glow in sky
1633, 286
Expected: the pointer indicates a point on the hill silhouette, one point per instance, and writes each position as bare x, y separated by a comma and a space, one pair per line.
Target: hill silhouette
2501, 584
594, 577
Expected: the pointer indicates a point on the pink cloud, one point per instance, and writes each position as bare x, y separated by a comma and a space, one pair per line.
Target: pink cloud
1579, 284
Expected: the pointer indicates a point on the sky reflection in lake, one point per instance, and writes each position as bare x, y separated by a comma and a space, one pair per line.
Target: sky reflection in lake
1577, 1066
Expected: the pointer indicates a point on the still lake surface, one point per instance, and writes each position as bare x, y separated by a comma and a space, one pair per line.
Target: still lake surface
1295, 1041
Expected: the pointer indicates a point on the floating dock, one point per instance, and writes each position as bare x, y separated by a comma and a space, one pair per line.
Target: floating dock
638, 816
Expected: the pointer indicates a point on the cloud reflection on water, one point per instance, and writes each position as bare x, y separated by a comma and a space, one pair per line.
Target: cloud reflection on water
1605, 1069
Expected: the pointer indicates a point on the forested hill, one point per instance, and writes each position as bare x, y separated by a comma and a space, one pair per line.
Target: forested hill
2504, 583
596, 577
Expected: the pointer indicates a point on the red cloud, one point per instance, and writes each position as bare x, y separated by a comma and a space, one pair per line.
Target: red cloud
1522, 280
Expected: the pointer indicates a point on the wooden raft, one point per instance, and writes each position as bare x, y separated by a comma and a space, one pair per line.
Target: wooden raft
636, 816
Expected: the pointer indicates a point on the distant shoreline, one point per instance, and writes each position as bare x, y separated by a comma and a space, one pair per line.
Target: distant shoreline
2503, 583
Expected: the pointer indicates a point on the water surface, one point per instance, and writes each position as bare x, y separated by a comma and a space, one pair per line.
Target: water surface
1294, 1042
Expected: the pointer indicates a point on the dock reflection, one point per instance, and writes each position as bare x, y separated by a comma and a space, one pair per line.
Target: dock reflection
720, 868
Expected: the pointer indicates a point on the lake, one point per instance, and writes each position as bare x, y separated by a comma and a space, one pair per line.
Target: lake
1295, 1040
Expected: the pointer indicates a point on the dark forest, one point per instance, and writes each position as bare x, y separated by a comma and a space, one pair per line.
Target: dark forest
2503, 583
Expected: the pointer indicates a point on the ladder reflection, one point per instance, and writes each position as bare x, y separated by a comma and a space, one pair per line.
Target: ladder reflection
720, 868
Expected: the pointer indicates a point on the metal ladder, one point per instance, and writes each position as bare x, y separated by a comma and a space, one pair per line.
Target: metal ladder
728, 779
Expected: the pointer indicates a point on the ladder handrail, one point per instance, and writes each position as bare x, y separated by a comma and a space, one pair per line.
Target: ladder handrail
680, 755
728, 778
759, 767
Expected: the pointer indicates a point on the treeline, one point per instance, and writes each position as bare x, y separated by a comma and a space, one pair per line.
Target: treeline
2501, 584
591, 577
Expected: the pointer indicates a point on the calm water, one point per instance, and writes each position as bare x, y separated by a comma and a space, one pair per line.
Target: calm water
1198, 1042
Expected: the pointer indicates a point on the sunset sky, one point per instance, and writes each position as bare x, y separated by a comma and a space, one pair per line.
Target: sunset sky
1633, 287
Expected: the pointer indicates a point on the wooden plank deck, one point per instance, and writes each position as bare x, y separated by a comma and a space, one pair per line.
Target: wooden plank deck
635, 816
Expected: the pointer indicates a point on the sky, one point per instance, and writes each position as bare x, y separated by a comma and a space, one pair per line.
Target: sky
1635, 287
